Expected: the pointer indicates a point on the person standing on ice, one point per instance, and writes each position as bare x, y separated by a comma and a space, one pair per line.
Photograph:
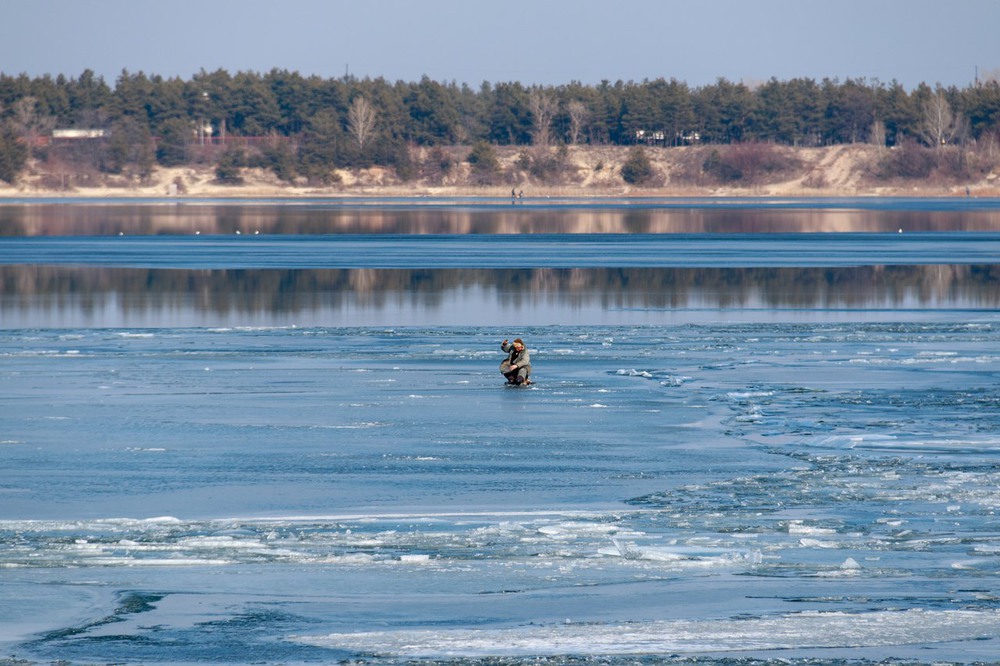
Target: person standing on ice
517, 366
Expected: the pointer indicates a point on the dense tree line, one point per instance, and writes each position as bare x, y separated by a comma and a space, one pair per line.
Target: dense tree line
307, 125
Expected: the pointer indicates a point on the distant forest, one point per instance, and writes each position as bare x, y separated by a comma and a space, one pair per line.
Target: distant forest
307, 126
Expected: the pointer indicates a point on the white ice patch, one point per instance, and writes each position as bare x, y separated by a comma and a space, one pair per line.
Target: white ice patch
385, 539
573, 530
877, 442
635, 373
816, 543
688, 556
798, 527
742, 396
850, 564
464, 353
415, 559
782, 632
352, 426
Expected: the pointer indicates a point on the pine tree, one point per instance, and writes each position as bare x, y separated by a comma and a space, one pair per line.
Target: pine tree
13, 154
637, 168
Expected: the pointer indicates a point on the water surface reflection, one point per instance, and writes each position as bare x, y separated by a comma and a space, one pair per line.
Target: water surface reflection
65, 296
44, 284
478, 217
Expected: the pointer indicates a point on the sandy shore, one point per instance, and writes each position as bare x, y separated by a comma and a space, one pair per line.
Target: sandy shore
592, 172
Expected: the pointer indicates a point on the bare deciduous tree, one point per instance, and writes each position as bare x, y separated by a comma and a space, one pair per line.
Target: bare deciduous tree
878, 134
29, 122
578, 115
938, 124
543, 107
361, 120
989, 76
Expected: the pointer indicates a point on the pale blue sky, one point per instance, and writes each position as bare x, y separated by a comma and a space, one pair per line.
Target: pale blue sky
546, 42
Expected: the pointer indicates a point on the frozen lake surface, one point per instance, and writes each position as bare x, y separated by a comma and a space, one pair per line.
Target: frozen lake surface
497, 251
295, 458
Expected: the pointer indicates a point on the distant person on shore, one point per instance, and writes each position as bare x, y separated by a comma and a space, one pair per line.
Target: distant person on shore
517, 366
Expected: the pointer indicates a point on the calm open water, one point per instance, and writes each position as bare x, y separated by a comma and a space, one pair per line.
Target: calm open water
760, 430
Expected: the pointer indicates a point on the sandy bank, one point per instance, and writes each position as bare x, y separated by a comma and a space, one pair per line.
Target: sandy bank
837, 171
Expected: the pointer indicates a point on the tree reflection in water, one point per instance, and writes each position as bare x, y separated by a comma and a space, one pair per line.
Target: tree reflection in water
47, 295
72, 296
487, 216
